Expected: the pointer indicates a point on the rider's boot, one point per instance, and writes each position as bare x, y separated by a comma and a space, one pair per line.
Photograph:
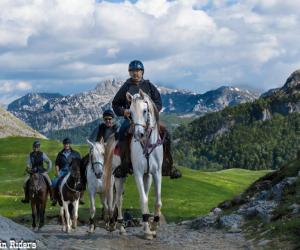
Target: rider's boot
26, 192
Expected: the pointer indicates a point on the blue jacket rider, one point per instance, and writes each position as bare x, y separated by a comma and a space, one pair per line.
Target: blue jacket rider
62, 164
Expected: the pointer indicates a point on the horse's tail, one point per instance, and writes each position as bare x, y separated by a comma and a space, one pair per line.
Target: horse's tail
108, 156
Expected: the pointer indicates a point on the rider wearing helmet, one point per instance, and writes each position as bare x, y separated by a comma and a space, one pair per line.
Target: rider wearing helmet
62, 165
35, 163
121, 107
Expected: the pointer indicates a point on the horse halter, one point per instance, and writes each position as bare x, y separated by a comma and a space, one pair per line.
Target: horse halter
98, 175
146, 126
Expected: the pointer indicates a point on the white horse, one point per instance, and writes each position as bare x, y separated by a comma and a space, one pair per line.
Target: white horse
146, 156
101, 181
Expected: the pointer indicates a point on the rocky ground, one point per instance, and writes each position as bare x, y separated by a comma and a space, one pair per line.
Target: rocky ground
170, 236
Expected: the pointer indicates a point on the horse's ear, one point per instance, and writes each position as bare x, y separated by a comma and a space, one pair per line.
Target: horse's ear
129, 97
89, 142
142, 94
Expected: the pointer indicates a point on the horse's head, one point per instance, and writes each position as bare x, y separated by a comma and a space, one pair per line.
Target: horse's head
97, 150
75, 170
143, 113
35, 181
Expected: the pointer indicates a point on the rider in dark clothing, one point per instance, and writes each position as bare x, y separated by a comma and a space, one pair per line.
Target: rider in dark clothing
105, 129
35, 163
62, 165
121, 107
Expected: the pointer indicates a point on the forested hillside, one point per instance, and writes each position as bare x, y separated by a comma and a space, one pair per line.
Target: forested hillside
259, 135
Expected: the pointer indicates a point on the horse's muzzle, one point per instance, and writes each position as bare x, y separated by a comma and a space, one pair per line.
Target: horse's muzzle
98, 175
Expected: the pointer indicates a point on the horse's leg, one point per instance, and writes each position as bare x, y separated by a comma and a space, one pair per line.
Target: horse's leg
147, 178
157, 187
104, 202
144, 205
119, 184
110, 203
92, 211
63, 219
42, 205
33, 213
67, 215
75, 212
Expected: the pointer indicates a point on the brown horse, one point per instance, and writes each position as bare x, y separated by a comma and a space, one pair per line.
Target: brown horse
69, 194
38, 193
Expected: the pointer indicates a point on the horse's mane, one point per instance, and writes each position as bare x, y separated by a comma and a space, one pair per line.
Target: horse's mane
152, 106
107, 171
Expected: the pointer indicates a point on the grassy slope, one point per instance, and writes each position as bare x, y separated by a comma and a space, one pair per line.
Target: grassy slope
194, 194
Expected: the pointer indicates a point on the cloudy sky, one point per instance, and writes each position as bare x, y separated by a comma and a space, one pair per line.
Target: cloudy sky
69, 46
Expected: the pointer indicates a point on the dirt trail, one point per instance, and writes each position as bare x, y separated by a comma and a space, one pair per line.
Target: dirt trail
170, 236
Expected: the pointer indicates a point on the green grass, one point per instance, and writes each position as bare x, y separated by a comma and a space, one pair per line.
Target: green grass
193, 195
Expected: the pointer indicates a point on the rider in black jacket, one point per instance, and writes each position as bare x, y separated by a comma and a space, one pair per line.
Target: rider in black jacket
121, 107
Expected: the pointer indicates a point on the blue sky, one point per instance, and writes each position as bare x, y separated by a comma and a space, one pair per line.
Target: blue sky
69, 46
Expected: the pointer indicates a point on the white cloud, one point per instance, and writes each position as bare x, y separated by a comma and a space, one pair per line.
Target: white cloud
189, 43
9, 86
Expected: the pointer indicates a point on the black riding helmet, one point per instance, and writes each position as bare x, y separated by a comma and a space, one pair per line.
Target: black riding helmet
136, 65
36, 144
67, 141
108, 113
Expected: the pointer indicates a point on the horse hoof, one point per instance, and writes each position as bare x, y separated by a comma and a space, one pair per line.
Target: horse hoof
122, 231
92, 229
154, 234
154, 226
148, 236
112, 228
64, 229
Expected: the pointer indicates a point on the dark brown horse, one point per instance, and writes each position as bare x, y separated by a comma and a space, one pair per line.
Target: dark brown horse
69, 192
38, 193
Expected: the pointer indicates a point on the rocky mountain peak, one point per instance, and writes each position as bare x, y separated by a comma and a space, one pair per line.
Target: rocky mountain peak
109, 87
293, 82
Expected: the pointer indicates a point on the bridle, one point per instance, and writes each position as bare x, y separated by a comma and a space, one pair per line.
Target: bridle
36, 187
76, 180
98, 176
145, 143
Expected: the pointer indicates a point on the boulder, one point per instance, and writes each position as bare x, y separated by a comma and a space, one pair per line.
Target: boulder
231, 221
10, 230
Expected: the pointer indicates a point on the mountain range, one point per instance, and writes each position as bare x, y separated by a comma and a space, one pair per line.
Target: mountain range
48, 112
